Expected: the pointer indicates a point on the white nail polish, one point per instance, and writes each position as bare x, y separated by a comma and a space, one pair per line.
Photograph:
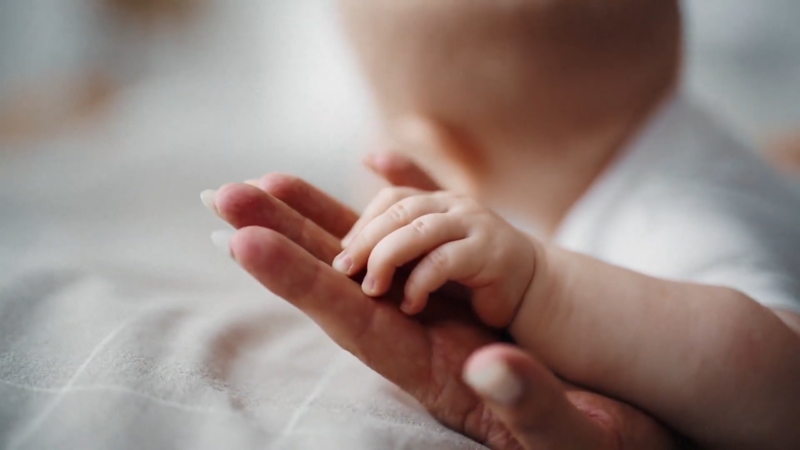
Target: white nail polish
496, 381
209, 198
222, 240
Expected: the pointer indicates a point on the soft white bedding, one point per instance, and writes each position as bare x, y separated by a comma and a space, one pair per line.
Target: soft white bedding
120, 324
122, 327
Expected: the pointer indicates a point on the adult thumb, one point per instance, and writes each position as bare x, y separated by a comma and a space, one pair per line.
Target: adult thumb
399, 171
530, 401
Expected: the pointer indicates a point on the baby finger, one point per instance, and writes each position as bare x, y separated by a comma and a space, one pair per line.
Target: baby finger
383, 201
454, 261
407, 244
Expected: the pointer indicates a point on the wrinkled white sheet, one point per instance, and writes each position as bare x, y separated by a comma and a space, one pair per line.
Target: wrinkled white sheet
120, 325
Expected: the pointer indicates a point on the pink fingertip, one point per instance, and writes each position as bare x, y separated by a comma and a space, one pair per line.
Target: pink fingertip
343, 263
369, 286
407, 307
495, 380
412, 306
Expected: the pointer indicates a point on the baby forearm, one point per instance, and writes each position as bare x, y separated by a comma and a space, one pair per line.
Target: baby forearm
709, 361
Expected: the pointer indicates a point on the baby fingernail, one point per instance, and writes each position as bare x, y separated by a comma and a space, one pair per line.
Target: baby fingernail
368, 285
209, 198
222, 240
496, 381
343, 263
406, 306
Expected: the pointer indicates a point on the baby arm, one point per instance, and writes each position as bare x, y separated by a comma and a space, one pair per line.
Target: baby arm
708, 361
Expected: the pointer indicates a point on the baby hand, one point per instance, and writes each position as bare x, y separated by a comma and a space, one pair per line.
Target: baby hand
457, 239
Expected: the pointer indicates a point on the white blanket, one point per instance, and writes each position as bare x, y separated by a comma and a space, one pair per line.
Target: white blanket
121, 326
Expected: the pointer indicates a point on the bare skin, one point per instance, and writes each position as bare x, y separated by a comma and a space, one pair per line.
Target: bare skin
289, 234
688, 337
784, 153
483, 95
522, 105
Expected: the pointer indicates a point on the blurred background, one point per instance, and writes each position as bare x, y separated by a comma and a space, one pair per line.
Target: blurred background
744, 62
277, 69
276, 72
115, 114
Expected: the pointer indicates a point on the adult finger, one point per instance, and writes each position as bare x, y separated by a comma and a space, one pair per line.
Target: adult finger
243, 205
399, 171
329, 213
531, 402
633, 429
366, 327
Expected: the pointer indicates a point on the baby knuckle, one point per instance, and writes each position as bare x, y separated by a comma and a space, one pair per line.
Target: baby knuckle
439, 259
420, 225
398, 213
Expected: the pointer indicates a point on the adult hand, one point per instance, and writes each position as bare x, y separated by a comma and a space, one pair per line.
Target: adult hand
289, 232
399, 171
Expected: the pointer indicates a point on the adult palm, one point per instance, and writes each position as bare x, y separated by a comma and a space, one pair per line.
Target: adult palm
289, 232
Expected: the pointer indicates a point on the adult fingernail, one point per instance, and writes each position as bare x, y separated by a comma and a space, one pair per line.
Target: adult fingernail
343, 263
222, 240
209, 198
253, 182
368, 285
496, 381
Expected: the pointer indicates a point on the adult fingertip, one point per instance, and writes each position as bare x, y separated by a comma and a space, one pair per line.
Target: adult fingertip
493, 378
248, 245
233, 201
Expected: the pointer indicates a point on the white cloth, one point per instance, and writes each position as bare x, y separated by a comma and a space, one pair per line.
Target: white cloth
686, 201
121, 326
